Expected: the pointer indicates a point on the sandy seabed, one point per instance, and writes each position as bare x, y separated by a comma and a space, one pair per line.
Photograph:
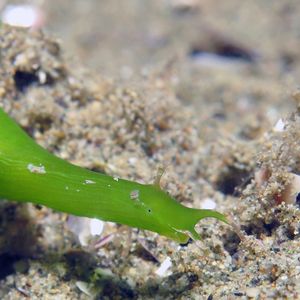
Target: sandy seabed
206, 90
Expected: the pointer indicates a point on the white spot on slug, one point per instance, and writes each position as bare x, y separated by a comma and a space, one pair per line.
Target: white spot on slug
87, 181
116, 178
165, 265
36, 169
134, 195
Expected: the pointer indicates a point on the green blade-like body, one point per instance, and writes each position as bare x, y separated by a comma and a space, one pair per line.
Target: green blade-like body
29, 173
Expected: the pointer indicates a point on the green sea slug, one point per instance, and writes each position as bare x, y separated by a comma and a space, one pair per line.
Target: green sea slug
29, 173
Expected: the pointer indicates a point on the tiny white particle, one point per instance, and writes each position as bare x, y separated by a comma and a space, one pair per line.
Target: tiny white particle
42, 77
96, 227
163, 268
109, 185
134, 195
36, 169
77, 190
116, 178
208, 203
279, 126
87, 181
66, 187
132, 161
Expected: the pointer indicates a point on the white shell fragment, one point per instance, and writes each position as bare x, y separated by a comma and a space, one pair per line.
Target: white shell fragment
96, 226
208, 203
279, 126
84, 228
85, 288
36, 169
21, 15
162, 271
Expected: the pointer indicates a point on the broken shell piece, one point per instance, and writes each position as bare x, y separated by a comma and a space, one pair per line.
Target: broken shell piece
22, 15
84, 228
292, 190
279, 126
85, 287
291, 193
96, 226
162, 271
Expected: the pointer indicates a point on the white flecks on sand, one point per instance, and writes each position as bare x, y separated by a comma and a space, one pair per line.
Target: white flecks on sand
96, 226
208, 203
162, 271
87, 181
36, 169
134, 195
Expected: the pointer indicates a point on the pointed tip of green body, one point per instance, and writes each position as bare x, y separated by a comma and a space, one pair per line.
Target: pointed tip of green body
193, 218
175, 220
65, 187
202, 214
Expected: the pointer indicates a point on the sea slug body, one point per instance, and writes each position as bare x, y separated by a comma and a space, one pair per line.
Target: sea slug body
78, 191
